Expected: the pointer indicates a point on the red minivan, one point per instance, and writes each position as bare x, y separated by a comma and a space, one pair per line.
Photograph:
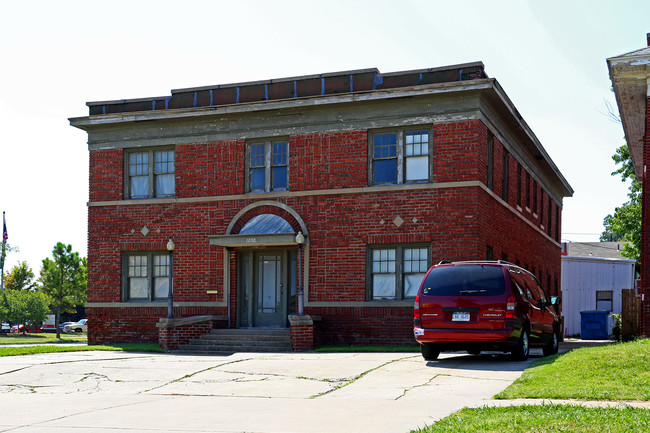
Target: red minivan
484, 306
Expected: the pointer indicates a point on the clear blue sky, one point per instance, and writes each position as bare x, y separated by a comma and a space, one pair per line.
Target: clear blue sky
549, 56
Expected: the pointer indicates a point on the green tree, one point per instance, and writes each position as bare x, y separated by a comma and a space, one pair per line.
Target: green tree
24, 307
625, 223
63, 280
20, 277
4, 249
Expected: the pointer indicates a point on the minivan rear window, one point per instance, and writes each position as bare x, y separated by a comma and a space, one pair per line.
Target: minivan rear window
465, 281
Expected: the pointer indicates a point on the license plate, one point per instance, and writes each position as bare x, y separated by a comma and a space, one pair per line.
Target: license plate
460, 317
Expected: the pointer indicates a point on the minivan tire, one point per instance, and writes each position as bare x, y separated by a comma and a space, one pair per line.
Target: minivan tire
552, 346
520, 352
429, 351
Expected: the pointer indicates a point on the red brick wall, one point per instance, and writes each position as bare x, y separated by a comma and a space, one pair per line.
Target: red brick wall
134, 324
172, 338
459, 223
105, 175
456, 152
302, 338
210, 169
323, 161
645, 233
116, 229
363, 326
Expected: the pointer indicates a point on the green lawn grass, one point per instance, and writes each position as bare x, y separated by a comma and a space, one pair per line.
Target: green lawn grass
122, 347
615, 372
41, 338
548, 418
612, 372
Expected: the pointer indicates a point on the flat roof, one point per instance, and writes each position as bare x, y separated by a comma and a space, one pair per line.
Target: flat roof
360, 80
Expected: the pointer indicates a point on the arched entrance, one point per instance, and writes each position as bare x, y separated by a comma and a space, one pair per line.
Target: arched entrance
262, 237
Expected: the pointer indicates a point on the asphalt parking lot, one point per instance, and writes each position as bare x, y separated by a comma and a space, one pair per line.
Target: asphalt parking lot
243, 392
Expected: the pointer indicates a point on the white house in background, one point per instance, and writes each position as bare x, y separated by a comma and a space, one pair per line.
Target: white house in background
593, 276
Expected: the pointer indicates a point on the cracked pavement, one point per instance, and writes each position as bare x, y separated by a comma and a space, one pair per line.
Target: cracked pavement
243, 392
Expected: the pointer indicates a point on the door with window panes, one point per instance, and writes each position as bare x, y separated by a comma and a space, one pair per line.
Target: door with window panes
267, 290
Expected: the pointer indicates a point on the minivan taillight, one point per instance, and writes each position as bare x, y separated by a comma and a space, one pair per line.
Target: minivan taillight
511, 305
416, 312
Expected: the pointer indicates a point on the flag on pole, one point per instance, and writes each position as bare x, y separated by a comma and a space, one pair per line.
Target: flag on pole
5, 236
4, 229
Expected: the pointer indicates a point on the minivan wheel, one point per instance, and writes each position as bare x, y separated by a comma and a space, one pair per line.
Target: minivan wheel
520, 352
429, 351
552, 346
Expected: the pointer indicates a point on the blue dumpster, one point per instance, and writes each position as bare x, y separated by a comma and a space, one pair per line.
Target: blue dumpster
593, 325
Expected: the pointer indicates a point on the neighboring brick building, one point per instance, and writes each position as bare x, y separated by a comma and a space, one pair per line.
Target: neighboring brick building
630, 75
384, 174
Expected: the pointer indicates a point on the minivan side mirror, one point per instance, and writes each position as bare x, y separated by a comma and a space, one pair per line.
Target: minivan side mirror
556, 300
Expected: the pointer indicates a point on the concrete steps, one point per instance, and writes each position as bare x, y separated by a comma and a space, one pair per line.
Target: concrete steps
240, 340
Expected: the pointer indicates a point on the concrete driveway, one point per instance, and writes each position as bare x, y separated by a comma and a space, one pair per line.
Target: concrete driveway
243, 392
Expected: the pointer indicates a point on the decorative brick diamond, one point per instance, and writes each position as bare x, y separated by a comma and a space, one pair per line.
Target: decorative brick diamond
144, 231
398, 221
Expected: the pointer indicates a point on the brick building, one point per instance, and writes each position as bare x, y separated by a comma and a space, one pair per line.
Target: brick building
630, 75
383, 174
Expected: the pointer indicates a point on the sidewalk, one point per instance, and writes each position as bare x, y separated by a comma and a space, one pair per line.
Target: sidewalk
108, 392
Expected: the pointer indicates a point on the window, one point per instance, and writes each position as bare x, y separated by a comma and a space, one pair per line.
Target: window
527, 192
557, 223
146, 276
490, 157
548, 218
400, 156
268, 166
151, 174
504, 177
465, 281
535, 197
396, 272
604, 300
518, 185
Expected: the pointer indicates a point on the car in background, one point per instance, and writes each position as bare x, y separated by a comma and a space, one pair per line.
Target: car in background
48, 325
484, 306
6, 327
80, 326
64, 324
22, 328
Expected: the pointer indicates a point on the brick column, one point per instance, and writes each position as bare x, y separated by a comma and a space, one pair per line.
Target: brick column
173, 333
302, 333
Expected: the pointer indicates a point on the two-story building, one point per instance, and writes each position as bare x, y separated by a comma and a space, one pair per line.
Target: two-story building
382, 175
